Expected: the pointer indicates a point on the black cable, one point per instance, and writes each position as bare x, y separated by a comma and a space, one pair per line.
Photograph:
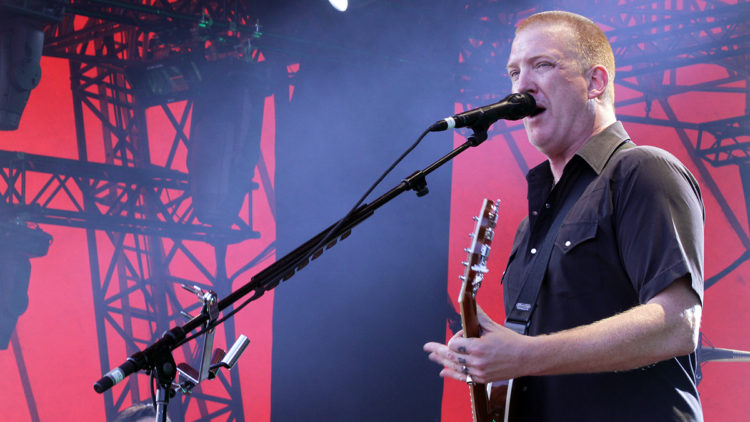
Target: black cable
322, 242
327, 237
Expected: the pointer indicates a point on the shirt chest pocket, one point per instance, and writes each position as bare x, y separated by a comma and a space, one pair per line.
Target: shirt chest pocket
574, 234
573, 270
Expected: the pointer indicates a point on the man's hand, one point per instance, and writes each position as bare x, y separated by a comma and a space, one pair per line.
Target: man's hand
496, 355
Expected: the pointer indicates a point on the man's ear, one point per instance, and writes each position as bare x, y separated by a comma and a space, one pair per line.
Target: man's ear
598, 80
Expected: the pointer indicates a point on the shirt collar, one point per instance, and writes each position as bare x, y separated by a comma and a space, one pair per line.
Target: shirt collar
596, 152
600, 147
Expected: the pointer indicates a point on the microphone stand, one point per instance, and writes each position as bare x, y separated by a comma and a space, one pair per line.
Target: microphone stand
157, 358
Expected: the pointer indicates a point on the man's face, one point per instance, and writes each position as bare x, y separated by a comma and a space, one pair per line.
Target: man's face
544, 64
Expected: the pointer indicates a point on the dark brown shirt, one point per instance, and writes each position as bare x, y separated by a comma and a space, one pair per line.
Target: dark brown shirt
636, 228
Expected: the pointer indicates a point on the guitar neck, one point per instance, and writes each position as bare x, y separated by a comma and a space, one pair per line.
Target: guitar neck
472, 279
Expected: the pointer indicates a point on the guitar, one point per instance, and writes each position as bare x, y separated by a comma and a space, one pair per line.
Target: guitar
476, 268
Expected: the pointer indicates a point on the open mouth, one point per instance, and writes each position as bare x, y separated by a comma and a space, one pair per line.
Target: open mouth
538, 111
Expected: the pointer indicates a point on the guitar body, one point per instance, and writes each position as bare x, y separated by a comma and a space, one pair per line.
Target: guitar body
509, 408
501, 405
476, 268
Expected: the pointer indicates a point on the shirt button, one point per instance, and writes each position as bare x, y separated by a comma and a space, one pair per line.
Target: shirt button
547, 205
567, 243
534, 213
533, 251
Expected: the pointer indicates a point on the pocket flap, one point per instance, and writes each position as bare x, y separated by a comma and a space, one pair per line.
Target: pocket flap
573, 234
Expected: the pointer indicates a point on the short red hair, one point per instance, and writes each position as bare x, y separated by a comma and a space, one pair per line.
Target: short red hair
592, 45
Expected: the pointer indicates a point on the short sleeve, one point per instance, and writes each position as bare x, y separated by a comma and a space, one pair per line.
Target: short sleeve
659, 219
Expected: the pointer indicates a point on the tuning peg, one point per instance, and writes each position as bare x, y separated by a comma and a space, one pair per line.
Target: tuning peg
462, 278
465, 264
467, 250
480, 270
475, 218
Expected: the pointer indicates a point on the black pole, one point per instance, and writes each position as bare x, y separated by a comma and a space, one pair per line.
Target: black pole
281, 270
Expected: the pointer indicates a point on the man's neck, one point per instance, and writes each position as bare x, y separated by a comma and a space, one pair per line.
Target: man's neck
602, 120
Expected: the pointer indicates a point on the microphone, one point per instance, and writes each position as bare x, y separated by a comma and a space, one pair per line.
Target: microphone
513, 107
118, 374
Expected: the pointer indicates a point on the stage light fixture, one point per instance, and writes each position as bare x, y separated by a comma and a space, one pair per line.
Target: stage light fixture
228, 101
225, 137
22, 25
164, 81
340, 5
19, 241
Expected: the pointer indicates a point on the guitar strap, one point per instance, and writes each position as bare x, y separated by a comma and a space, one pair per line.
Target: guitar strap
519, 317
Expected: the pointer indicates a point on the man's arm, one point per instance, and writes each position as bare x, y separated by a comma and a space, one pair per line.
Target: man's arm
664, 327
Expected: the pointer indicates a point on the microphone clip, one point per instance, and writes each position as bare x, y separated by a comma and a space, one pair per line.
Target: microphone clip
478, 135
418, 183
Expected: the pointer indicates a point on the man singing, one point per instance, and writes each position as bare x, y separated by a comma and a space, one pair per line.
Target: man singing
612, 332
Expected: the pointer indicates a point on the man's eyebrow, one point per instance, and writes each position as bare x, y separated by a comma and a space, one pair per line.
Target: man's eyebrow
532, 59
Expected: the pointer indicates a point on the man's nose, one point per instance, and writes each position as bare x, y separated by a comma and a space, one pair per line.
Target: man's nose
525, 83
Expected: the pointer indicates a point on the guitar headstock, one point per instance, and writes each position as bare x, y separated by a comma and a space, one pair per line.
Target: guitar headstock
479, 251
476, 268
